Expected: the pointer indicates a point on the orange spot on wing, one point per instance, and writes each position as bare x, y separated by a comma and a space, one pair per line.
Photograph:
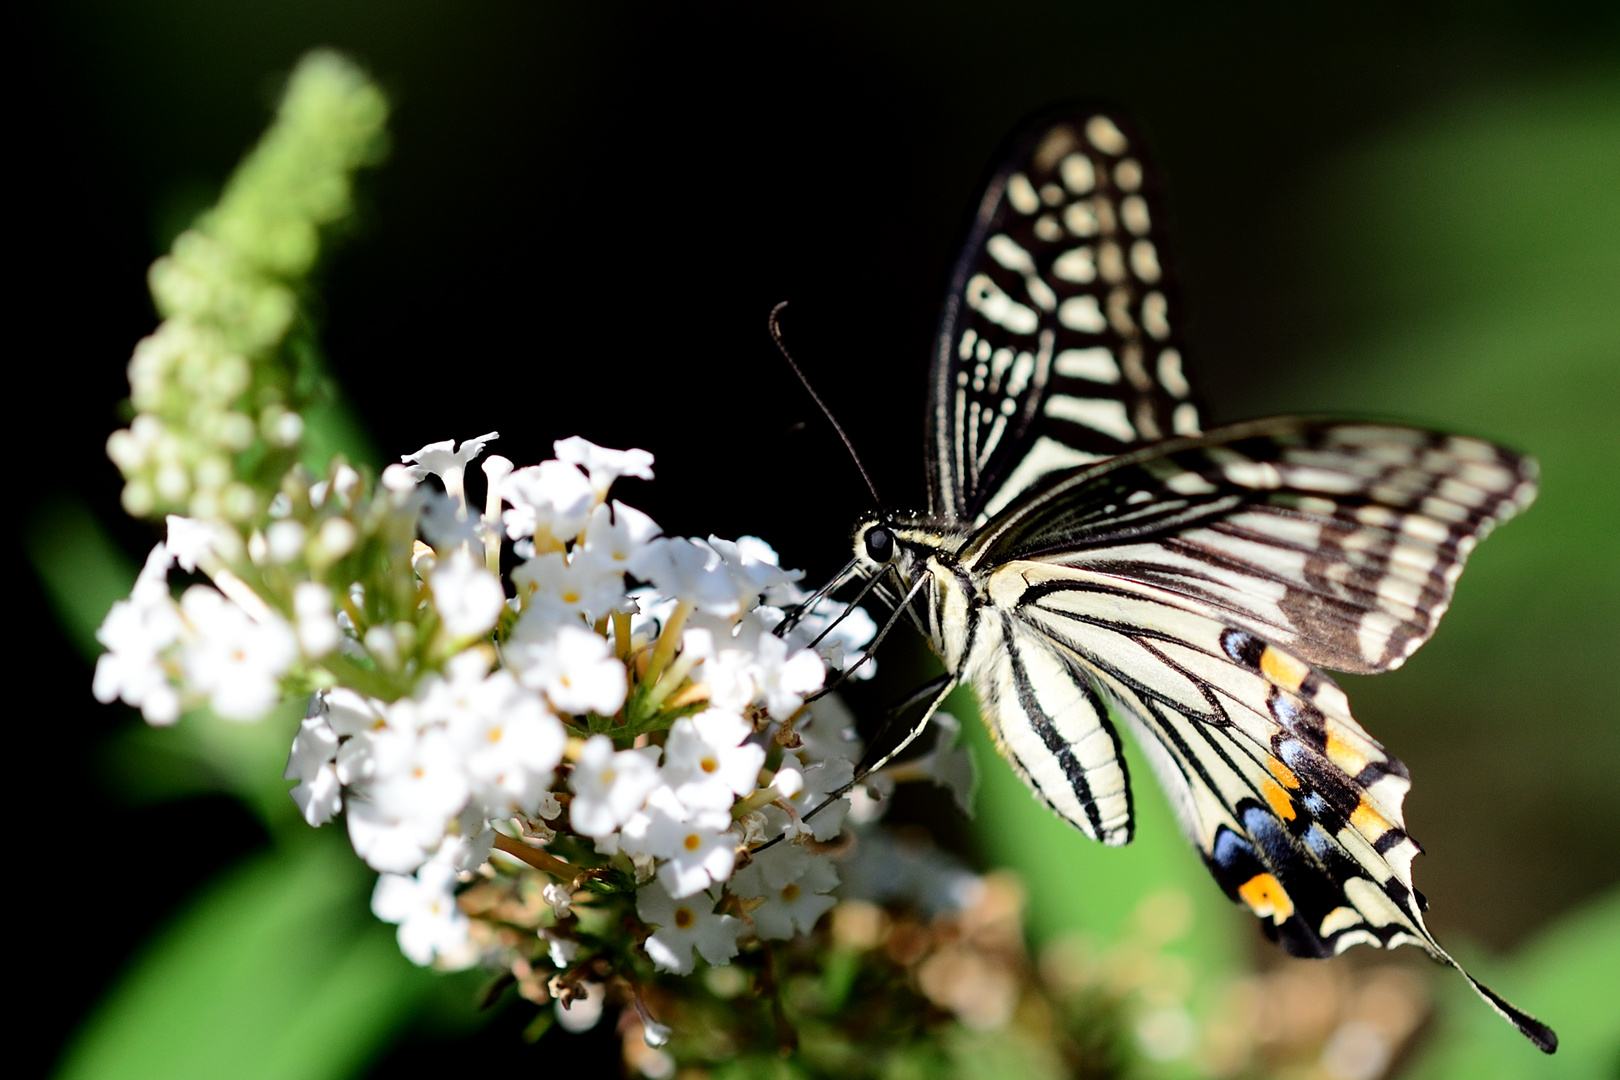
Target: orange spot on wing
1285, 776
1266, 898
1281, 804
1343, 753
1368, 822
1283, 669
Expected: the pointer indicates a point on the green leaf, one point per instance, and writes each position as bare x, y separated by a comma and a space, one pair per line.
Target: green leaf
276, 970
203, 753
1569, 977
82, 570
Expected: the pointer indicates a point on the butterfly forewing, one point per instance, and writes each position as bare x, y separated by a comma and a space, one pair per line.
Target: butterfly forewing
1060, 342
1342, 542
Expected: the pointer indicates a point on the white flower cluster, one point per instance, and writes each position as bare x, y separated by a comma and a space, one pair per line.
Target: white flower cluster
630, 692
206, 648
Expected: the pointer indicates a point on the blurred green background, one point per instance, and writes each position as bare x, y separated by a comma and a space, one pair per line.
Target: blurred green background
1405, 211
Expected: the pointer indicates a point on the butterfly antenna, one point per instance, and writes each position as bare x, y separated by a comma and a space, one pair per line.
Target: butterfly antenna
849, 609
843, 676
798, 611
776, 336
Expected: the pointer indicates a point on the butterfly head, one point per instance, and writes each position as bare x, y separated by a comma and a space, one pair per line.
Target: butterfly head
885, 542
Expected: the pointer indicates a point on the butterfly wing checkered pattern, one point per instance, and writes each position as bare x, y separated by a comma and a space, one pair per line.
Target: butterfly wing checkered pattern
1060, 342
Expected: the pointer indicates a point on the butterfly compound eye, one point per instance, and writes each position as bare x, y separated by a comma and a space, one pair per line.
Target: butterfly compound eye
880, 544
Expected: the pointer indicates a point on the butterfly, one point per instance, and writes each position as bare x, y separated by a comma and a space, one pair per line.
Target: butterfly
1091, 555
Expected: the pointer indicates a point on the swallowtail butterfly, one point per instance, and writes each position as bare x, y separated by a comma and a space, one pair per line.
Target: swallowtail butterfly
1090, 554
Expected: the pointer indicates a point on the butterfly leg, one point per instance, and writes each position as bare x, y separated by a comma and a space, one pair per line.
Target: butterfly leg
935, 691
875, 757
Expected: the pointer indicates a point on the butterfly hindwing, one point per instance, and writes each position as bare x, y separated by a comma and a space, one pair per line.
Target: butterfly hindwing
1267, 769
1060, 342
1295, 809
1051, 724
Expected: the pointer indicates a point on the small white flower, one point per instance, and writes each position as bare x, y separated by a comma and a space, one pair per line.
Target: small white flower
136, 632
613, 538
842, 645
696, 848
351, 713
819, 781
604, 465
193, 542
509, 742
314, 750
753, 568
550, 501
557, 590
785, 679
389, 845
232, 660
575, 669
419, 780
702, 857
684, 925
447, 463
609, 787
707, 762
828, 730
747, 663
793, 882
468, 597
430, 923
689, 571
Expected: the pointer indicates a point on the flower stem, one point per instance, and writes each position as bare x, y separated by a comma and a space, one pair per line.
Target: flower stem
668, 641
621, 634
536, 858
672, 678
